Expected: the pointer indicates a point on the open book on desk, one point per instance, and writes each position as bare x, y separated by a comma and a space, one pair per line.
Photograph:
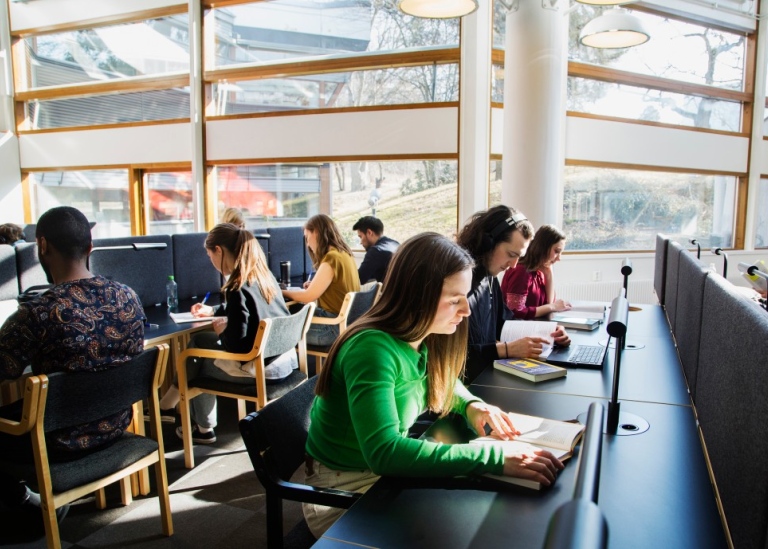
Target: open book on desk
518, 329
594, 310
537, 433
181, 318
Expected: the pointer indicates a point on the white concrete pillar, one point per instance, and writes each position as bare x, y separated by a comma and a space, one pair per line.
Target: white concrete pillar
475, 112
535, 74
196, 113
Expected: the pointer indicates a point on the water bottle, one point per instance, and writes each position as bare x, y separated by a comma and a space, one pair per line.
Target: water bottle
172, 292
285, 274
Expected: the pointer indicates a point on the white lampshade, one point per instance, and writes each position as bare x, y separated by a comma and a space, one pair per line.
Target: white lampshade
438, 9
614, 29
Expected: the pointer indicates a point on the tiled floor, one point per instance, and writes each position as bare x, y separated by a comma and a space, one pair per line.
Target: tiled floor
219, 503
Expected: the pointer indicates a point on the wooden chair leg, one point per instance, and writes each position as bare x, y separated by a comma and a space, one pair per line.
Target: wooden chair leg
101, 499
240, 409
126, 489
52, 538
186, 428
161, 477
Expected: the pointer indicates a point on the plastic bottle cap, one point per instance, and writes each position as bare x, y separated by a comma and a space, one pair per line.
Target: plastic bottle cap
170, 277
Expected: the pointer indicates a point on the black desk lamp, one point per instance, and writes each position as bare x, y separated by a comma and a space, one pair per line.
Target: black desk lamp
626, 270
618, 422
719, 251
579, 522
698, 247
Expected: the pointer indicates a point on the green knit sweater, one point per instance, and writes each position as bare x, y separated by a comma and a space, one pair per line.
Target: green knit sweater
378, 389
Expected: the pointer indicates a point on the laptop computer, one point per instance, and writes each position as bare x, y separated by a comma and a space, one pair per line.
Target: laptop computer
580, 356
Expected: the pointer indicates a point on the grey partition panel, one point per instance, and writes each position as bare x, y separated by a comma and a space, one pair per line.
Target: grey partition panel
145, 271
731, 389
660, 266
192, 268
9, 280
287, 244
671, 285
28, 267
690, 302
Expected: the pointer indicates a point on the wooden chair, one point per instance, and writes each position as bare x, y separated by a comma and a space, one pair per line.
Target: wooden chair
274, 337
275, 437
62, 400
354, 306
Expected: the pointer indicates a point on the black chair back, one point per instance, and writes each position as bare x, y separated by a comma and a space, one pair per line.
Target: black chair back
73, 397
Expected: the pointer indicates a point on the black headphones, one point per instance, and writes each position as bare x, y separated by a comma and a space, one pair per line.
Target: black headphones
490, 238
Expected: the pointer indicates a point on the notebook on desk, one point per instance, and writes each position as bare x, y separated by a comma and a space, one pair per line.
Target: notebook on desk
581, 356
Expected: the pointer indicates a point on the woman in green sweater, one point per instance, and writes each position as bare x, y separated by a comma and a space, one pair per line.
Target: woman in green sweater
402, 357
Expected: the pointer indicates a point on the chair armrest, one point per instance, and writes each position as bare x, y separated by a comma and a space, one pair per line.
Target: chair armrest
331, 321
210, 353
36, 387
321, 496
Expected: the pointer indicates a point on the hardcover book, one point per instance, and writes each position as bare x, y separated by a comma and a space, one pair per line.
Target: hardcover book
529, 369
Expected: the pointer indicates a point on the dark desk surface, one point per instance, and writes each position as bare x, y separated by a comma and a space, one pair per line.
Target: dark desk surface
654, 491
648, 374
166, 328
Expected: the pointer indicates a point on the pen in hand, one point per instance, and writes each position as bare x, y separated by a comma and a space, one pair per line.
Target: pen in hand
207, 295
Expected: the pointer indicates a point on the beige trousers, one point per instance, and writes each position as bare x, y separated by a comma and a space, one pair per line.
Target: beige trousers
320, 517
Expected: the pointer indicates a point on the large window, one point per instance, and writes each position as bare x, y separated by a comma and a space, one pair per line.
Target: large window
169, 203
397, 86
609, 209
143, 48
761, 232
682, 51
102, 195
285, 30
409, 197
270, 194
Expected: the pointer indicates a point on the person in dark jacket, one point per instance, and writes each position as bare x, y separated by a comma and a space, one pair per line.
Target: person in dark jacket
378, 249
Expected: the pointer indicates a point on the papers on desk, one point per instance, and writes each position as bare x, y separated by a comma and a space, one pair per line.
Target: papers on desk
181, 318
536, 433
518, 329
582, 309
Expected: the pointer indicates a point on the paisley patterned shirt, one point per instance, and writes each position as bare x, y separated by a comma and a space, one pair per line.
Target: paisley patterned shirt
83, 325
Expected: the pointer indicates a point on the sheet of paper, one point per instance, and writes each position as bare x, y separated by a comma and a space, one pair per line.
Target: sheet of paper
181, 318
518, 329
518, 446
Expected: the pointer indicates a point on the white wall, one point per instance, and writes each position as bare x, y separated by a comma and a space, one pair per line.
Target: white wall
107, 147
11, 203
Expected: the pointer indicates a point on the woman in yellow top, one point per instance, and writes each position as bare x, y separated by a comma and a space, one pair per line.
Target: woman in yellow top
335, 276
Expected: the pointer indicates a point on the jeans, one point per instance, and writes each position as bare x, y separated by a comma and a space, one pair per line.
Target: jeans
322, 334
203, 407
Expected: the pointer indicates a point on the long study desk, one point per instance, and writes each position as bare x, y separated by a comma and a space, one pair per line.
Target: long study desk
649, 373
655, 488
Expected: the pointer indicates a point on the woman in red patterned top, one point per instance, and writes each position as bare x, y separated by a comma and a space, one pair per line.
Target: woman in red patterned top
528, 288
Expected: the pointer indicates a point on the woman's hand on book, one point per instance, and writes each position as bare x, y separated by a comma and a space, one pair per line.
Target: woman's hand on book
479, 414
525, 347
538, 465
560, 305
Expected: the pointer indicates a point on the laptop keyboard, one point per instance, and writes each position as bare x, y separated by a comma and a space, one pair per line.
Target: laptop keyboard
587, 354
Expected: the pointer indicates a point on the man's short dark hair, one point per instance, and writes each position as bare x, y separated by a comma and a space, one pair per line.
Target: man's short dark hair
369, 222
67, 230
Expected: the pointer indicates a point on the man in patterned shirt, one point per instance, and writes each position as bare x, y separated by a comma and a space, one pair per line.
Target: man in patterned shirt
82, 323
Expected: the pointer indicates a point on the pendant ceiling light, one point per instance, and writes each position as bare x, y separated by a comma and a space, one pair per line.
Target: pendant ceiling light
614, 29
438, 9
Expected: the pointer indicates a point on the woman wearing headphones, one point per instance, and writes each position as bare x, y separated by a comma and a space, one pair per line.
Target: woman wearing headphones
496, 239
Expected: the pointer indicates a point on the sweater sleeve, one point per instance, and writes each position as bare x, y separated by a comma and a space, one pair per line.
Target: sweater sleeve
373, 408
514, 288
235, 338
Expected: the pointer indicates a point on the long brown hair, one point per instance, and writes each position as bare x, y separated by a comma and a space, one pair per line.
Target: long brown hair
407, 308
546, 237
250, 265
328, 236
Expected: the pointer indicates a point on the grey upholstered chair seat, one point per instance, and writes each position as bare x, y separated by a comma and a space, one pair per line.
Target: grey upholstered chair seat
274, 390
67, 475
